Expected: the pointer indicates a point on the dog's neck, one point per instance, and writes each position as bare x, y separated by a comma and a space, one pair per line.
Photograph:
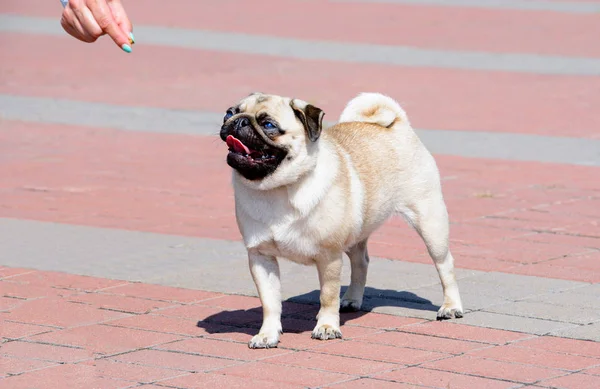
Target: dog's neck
309, 190
306, 180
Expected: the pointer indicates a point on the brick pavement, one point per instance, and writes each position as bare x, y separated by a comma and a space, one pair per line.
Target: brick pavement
77, 331
176, 75
155, 204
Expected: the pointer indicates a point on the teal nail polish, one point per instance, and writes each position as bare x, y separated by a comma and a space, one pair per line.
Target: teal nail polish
126, 48
131, 38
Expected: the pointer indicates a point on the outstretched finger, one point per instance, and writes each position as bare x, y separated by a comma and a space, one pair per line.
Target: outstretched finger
121, 18
107, 23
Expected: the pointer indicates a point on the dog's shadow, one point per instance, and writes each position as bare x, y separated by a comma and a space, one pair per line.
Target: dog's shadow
299, 312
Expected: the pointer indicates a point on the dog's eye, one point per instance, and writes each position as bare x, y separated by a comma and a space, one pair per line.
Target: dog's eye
227, 116
269, 125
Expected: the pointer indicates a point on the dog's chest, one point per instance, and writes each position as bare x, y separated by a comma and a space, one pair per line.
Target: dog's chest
273, 227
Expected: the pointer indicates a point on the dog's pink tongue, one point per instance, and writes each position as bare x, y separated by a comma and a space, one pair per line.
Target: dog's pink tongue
237, 145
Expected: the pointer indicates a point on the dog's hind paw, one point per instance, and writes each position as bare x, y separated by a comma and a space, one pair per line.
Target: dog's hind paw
350, 306
448, 312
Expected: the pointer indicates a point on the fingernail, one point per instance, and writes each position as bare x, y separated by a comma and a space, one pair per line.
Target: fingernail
131, 38
126, 48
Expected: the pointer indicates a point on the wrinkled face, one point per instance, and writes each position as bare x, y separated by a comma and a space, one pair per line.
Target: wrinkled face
263, 132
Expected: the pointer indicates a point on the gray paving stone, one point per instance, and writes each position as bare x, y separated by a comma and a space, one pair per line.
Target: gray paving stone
586, 296
514, 323
402, 308
475, 144
586, 332
332, 51
394, 287
474, 298
567, 314
516, 287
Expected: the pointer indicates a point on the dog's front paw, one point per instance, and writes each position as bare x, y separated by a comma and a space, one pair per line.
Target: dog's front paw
448, 311
326, 331
265, 340
350, 305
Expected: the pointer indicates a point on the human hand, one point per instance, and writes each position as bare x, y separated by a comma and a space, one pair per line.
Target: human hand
87, 20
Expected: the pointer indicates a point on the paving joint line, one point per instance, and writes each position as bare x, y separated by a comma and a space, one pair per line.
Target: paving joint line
532, 208
184, 374
170, 386
9, 339
207, 355
352, 379
36, 369
39, 325
535, 318
574, 234
121, 310
15, 297
443, 355
483, 310
104, 293
482, 376
565, 233
107, 356
17, 275
146, 365
30, 341
266, 360
548, 243
579, 254
361, 340
400, 329
516, 344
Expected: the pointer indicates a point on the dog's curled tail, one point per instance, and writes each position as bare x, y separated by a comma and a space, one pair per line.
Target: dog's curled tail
374, 108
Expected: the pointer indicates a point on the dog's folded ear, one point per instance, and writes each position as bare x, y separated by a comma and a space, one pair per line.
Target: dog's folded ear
310, 116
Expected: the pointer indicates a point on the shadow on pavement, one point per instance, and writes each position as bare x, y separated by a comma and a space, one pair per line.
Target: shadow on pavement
298, 318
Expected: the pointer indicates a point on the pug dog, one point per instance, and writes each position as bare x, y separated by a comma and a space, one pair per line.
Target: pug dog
310, 195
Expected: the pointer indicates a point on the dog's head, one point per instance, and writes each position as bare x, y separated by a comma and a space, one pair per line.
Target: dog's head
271, 139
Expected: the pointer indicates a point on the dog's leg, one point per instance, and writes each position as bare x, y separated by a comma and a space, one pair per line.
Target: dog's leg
328, 318
431, 222
359, 264
265, 272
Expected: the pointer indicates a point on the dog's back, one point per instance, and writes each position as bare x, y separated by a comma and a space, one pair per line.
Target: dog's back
390, 160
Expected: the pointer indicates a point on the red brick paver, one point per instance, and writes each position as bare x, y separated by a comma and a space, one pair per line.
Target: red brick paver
59, 312
176, 347
494, 369
190, 363
442, 379
15, 366
220, 380
572, 381
66, 376
512, 353
370, 383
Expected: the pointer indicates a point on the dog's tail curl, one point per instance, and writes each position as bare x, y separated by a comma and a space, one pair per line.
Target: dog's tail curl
374, 108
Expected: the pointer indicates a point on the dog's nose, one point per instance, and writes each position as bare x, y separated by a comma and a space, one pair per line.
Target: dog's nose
242, 122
